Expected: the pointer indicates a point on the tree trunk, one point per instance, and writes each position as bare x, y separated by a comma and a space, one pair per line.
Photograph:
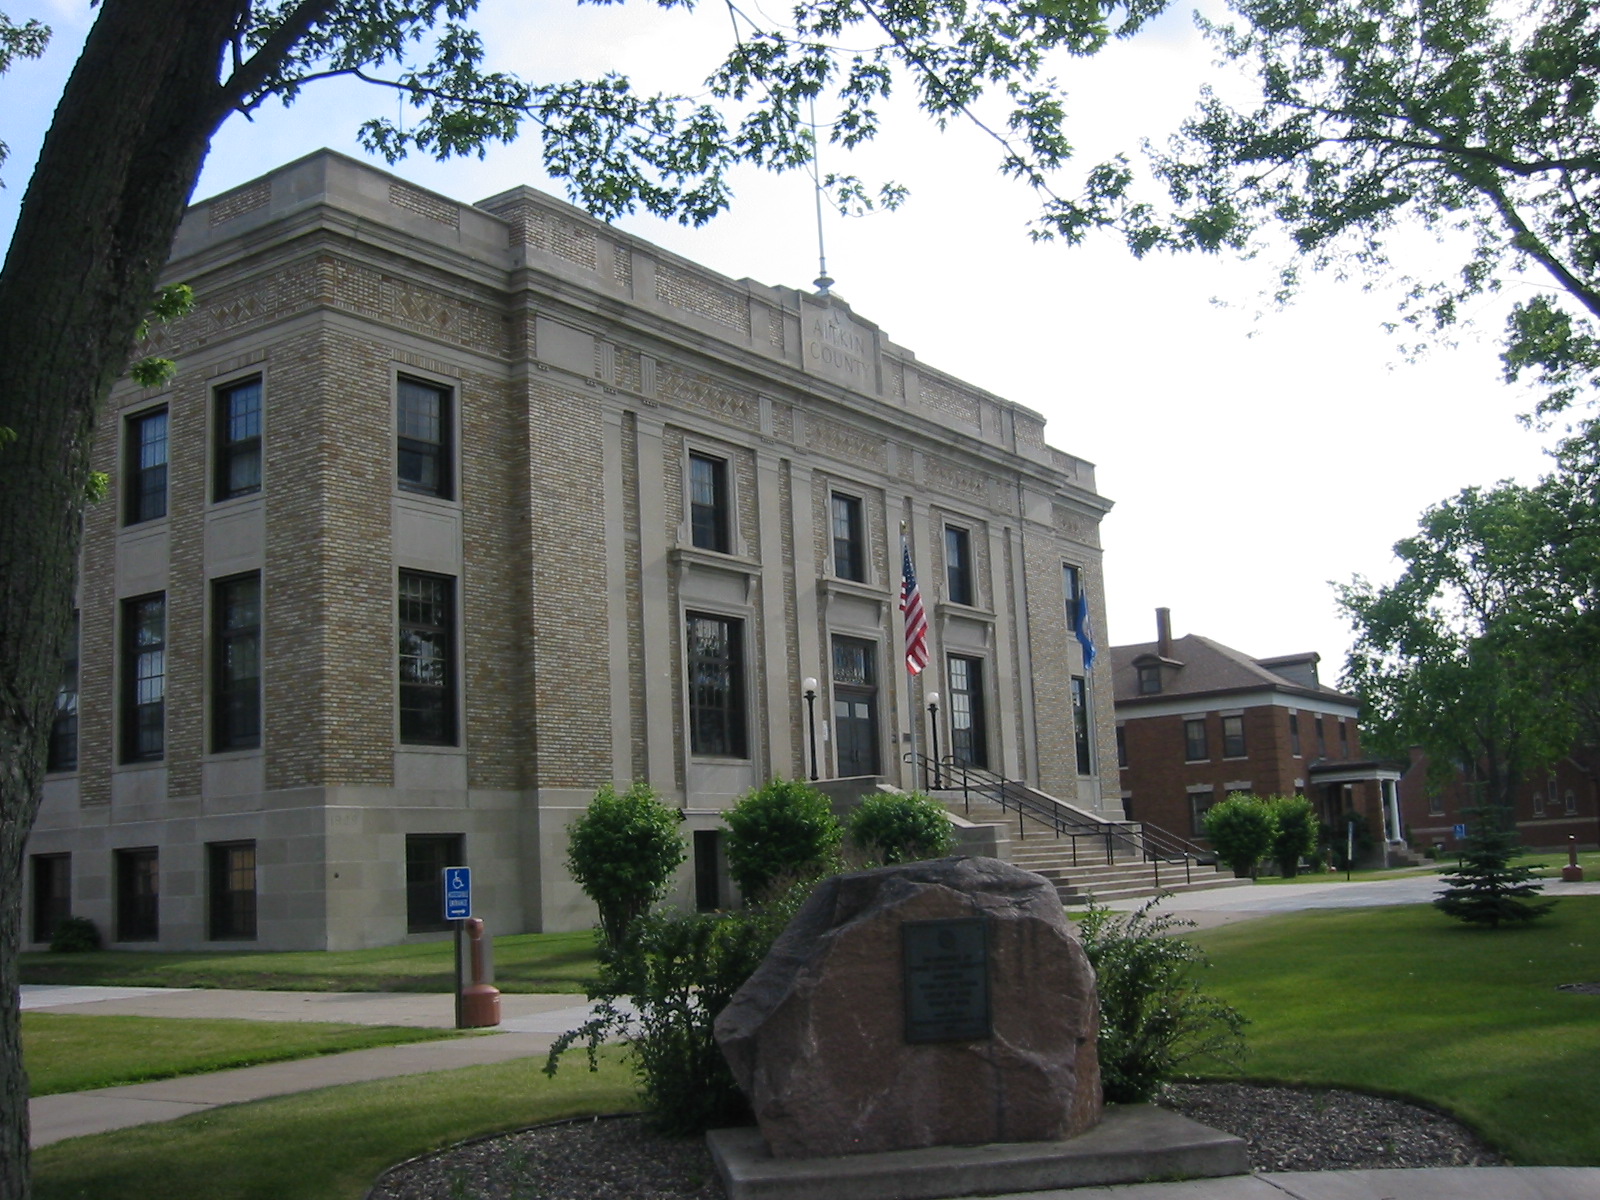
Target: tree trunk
95, 229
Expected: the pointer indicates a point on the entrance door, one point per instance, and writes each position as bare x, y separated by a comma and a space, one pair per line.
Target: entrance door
969, 735
855, 707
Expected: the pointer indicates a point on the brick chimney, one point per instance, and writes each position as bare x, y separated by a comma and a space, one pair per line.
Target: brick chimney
1164, 632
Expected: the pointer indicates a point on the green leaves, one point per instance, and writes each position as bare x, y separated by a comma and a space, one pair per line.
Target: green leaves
623, 852
27, 40
1469, 653
1471, 119
778, 834
898, 828
671, 154
1154, 1017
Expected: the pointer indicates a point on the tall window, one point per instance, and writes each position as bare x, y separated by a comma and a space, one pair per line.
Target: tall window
236, 666
716, 685
52, 893
144, 678
1070, 583
138, 895
1344, 739
709, 522
238, 458
1122, 746
427, 855
1080, 725
426, 659
1149, 680
849, 552
1232, 737
146, 475
1294, 734
1200, 803
422, 422
232, 885
958, 564
1194, 741
63, 753
969, 735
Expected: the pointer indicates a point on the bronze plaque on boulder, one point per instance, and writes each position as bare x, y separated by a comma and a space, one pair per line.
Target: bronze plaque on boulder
820, 1038
946, 980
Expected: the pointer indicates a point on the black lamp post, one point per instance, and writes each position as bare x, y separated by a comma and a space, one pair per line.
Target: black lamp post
933, 723
810, 686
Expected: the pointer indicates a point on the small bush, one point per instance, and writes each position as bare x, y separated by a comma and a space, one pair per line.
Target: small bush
901, 828
1153, 1016
75, 935
781, 832
1240, 829
623, 852
661, 996
1294, 834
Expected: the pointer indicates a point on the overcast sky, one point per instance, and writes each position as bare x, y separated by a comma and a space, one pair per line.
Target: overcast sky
1253, 455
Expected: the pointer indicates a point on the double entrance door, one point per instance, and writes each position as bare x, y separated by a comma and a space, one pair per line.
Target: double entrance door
855, 707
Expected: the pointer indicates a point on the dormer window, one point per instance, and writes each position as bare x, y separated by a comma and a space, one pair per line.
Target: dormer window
1149, 680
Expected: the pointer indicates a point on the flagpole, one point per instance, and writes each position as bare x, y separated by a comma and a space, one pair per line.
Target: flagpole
911, 676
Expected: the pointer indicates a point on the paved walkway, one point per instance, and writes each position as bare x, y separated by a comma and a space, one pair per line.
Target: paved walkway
529, 1025
532, 1022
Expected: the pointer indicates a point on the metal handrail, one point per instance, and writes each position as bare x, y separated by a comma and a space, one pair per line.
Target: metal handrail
1151, 843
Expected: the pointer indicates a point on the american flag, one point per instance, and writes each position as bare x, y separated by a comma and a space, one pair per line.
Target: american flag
916, 619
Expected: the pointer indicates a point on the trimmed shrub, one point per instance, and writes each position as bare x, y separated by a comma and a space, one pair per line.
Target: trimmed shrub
623, 852
780, 833
1240, 829
75, 935
897, 828
1294, 832
1153, 1016
661, 996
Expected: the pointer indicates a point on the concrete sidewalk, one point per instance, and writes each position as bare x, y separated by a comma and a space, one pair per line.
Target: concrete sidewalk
530, 1023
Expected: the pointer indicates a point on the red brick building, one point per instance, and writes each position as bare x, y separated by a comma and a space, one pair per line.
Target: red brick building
1198, 721
1551, 806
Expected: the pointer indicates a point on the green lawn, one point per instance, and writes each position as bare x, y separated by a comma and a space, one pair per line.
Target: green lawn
326, 1145
1339, 877
67, 1052
527, 962
1403, 1001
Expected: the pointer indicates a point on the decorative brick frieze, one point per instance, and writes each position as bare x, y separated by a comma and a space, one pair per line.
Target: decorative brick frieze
841, 441
240, 201
701, 295
894, 378
425, 204
942, 398
695, 390
942, 475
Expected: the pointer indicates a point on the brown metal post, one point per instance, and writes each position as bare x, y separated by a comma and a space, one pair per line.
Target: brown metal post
479, 1000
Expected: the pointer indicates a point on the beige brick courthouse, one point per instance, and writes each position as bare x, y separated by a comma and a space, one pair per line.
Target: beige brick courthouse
454, 513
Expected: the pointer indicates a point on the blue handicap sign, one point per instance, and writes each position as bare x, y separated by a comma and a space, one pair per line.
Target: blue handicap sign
1461, 831
457, 893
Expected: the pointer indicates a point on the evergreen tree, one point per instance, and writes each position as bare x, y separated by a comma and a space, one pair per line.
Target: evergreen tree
1486, 889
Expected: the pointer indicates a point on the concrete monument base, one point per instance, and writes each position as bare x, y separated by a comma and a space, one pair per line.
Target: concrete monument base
1132, 1144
